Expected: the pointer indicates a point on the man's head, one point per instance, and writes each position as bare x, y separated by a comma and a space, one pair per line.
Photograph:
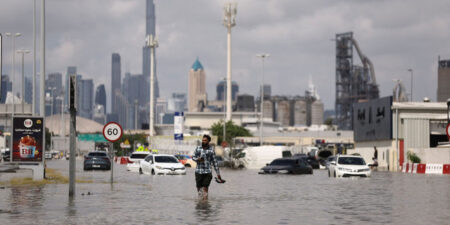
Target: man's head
205, 140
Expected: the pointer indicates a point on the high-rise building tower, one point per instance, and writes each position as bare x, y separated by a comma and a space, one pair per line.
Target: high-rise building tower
149, 30
443, 90
87, 96
100, 96
115, 81
197, 91
54, 81
221, 93
6, 87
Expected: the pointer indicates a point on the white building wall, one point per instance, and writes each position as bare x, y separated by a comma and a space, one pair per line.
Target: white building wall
386, 153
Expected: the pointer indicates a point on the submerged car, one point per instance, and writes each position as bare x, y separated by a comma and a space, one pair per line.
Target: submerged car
159, 164
329, 160
310, 160
134, 161
349, 165
186, 160
97, 160
288, 166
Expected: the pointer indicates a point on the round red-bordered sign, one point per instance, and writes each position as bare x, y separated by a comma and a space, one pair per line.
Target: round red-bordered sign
448, 131
112, 131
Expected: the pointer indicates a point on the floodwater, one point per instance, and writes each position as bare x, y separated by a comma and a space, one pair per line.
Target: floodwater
246, 198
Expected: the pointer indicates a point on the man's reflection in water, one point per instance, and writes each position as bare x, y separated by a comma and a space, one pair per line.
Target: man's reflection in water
204, 212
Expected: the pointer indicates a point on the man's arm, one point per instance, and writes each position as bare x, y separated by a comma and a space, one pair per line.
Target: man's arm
215, 164
196, 155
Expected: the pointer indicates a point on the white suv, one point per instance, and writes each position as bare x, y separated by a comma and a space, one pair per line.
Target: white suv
349, 165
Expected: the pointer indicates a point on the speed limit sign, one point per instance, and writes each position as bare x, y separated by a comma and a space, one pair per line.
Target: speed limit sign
447, 130
112, 131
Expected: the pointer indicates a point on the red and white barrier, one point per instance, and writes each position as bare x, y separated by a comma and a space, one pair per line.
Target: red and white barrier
426, 168
122, 159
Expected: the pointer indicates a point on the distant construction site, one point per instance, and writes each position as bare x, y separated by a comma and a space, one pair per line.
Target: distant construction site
354, 83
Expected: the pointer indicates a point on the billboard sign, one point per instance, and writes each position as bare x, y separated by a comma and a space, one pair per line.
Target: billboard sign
178, 121
28, 138
372, 120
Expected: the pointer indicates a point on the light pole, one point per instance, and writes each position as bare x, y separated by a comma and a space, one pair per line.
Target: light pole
411, 70
229, 21
152, 43
261, 124
23, 52
13, 64
33, 101
224, 111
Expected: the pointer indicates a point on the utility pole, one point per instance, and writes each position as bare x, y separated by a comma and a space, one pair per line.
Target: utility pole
229, 21
152, 43
261, 123
411, 70
33, 104
23, 52
73, 127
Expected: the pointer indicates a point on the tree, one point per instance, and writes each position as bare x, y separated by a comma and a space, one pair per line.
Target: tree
232, 131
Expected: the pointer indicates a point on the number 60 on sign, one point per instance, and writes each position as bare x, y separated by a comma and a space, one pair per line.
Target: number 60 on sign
112, 131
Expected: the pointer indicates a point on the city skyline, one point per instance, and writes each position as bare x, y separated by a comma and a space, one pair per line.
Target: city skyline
296, 33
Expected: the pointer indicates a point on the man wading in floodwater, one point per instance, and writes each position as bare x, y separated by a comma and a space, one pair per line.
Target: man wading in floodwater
205, 156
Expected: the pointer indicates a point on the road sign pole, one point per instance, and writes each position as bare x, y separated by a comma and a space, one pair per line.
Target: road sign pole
111, 149
72, 153
112, 132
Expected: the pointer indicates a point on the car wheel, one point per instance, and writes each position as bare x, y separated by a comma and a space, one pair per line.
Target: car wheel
140, 171
334, 173
153, 172
187, 165
329, 173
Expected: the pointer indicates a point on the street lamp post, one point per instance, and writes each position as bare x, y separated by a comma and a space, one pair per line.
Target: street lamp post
261, 124
152, 43
411, 70
229, 21
13, 64
224, 110
23, 52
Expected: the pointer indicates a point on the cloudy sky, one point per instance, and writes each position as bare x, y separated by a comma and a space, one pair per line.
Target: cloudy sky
298, 35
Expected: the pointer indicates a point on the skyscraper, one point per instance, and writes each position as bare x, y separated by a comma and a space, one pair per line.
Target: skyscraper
149, 30
220, 90
100, 96
54, 81
443, 83
115, 81
6, 87
86, 98
196, 88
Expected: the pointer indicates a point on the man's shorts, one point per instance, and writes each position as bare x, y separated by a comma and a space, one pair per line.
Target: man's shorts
203, 180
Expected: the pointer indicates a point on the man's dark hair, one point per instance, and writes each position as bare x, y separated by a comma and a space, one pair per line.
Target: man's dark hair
208, 137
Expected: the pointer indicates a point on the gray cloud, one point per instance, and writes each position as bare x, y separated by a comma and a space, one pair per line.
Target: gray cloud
395, 35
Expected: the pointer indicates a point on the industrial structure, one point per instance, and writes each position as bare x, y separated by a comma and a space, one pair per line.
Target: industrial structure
443, 90
353, 83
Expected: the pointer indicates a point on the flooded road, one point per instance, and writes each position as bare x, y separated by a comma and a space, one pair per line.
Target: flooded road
246, 198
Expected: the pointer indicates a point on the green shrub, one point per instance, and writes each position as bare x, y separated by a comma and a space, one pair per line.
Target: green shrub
413, 157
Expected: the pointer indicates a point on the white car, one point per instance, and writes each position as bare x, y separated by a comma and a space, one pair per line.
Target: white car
348, 165
135, 159
162, 164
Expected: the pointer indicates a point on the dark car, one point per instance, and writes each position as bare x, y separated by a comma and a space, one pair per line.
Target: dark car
287, 165
309, 159
97, 160
6, 156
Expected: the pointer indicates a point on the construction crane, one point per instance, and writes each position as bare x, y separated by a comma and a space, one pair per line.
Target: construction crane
366, 62
399, 92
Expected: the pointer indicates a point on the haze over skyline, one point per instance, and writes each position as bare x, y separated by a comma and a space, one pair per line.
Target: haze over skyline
297, 34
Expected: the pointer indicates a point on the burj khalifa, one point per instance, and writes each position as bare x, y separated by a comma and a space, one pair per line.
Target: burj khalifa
150, 26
